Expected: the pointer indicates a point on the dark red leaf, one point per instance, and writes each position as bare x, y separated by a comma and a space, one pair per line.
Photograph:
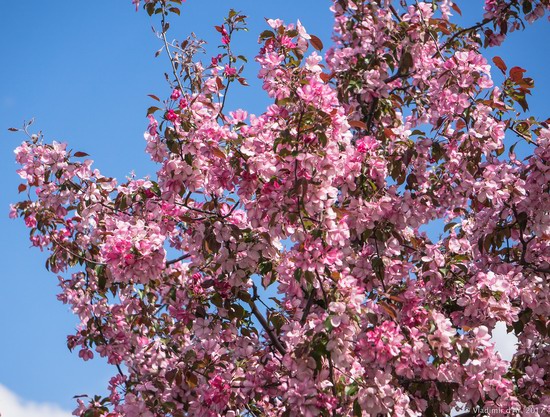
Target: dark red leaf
456, 9
516, 74
500, 64
316, 42
325, 77
357, 124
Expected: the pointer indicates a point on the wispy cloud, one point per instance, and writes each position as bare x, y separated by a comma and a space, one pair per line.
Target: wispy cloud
13, 406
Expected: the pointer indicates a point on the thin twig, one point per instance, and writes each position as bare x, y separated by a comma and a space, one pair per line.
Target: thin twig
469, 29
394, 12
74, 254
166, 45
181, 258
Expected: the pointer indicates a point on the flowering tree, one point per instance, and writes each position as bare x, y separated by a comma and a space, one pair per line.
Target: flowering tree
316, 204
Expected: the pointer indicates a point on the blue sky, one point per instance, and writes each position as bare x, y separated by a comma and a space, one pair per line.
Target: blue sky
83, 70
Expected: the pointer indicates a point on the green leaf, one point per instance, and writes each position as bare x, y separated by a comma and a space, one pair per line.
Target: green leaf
351, 390
357, 409
102, 281
265, 267
266, 34
464, 356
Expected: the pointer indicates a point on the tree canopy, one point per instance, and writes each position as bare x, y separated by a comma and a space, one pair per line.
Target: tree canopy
277, 264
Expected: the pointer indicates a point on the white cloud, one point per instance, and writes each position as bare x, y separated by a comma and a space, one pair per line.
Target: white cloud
13, 406
505, 343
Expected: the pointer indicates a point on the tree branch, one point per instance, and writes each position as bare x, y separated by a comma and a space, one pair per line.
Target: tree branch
474, 27
308, 306
266, 327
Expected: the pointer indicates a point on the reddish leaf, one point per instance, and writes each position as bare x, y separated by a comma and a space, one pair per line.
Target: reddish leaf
460, 124
388, 132
325, 77
80, 154
399, 299
456, 9
500, 64
516, 74
442, 25
154, 97
357, 124
219, 153
21, 188
316, 42
13, 129
388, 309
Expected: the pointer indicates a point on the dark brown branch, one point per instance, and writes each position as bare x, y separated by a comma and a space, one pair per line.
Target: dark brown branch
396, 76
308, 306
274, 340
329, 357
232, 210
394, 12
370, 116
